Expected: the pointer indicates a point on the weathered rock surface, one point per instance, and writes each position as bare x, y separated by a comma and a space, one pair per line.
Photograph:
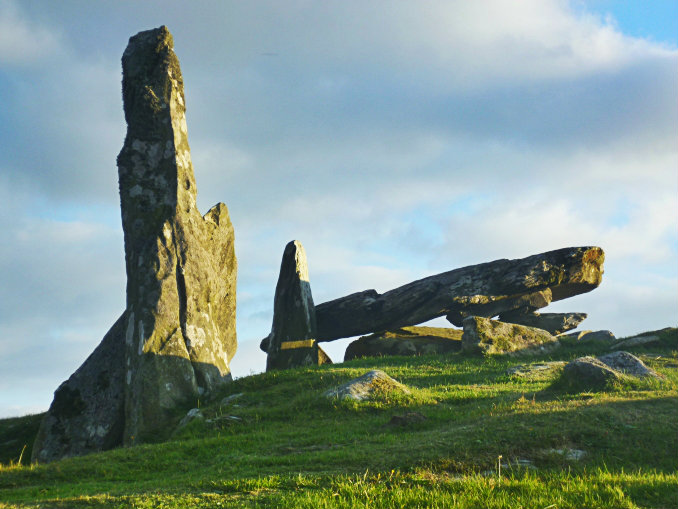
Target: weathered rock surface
485, 290
177, 336
553, 323
87, 413
595, 374
588, 372
628, 364
292, 341
181, 266
365, 387
482, 335
600, 336
406, 341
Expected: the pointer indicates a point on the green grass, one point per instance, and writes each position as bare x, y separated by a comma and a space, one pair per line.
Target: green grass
294, 448
16, 438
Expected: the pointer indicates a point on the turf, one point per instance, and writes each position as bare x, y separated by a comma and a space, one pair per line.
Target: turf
488, 438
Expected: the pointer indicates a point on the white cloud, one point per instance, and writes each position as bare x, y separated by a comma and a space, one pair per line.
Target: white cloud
23, 42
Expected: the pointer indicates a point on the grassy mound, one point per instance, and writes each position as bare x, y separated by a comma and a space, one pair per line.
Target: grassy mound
487, 435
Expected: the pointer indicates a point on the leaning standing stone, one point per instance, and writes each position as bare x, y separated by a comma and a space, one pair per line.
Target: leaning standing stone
292, 341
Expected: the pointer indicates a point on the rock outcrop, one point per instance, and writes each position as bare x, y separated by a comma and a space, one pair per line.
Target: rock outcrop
482, 335
484, 290
292, 341
174, 342
554, 323
406, 341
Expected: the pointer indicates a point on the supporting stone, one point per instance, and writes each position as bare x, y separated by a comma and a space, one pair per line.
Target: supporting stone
482, 335
409, 341
554, 323
292, 342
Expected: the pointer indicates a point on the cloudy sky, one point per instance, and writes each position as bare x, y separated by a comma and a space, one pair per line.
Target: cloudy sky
394, 139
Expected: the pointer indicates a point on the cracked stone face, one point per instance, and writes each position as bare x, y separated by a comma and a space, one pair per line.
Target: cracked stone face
181, 266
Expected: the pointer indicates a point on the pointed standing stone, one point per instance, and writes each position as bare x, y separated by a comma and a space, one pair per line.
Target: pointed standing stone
292, 341
181, 266
176, 337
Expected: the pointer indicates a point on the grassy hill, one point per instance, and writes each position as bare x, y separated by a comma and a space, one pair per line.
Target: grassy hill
282, 444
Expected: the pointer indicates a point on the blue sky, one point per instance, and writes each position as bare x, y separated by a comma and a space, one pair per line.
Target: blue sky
393, 139
656, 20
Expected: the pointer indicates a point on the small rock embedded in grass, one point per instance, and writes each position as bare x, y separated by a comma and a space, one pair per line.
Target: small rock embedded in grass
366, 387
597, 374
628, 364
228, 400
588, 372
568, 454
538, 370
407, 419
193, 414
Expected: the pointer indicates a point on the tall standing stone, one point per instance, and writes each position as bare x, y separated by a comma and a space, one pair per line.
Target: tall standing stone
292, 341
176, 337
181, 267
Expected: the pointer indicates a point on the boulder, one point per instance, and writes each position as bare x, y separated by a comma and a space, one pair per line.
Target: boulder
366, 387
587, 336
596, 374
406, 341
292, 341
482, 335
553, 323
628, 364
588, 373
484, 290
174, 342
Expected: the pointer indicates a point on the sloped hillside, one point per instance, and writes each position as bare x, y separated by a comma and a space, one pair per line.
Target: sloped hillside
470, 432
